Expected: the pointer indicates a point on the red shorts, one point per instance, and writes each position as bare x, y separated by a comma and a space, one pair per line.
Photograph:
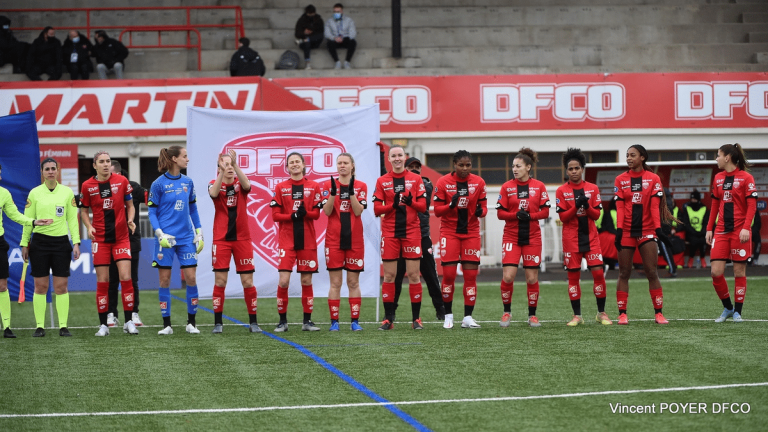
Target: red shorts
222, 252
349, 259
511, 254
729, 247
454, 250
628, 241
572, 260
305, 260
392, 247
103, 253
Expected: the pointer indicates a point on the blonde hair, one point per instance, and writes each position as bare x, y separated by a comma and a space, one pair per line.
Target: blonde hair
352, 159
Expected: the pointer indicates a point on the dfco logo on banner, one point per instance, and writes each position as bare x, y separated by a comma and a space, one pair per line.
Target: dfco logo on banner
262, 141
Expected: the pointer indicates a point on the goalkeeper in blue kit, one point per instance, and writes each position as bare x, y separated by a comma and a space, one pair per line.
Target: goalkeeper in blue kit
176, 223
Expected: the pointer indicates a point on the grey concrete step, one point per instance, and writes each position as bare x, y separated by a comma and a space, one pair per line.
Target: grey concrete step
758, 37
755, 17
366, 17
219, 59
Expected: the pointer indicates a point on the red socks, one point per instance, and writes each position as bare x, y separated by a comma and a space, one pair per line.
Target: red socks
657, 298
599, 286
218, 298
333, 307
251, 302
721, 287
388, 292
282, 300
355, 303
574, 289
506, 292
102, 296
470, 286
307, 298
740, 289
621, 300
415, 290
127, 292
449, 278
533, 295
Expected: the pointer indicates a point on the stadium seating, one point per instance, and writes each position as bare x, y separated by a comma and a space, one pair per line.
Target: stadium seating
452, 36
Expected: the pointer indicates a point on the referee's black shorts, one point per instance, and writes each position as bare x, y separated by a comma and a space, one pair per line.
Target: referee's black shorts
4, 248
49, 255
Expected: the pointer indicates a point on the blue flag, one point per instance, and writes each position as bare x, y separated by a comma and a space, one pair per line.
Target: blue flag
20, 160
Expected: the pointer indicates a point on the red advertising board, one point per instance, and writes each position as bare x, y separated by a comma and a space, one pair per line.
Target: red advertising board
66, 156
407, 104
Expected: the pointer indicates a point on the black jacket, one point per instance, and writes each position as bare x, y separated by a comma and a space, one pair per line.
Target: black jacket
45, 53
246, 62
109, 52
314, 23
83, 47
424, 216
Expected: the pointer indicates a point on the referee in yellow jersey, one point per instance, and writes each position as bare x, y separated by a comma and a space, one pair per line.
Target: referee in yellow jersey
50, 251
8, 207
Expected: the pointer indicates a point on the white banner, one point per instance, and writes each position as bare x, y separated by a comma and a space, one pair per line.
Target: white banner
262, 139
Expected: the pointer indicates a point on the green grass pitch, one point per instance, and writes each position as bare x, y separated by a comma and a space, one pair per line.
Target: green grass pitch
518, 378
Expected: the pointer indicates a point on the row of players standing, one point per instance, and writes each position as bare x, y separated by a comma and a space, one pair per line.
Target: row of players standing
399, 197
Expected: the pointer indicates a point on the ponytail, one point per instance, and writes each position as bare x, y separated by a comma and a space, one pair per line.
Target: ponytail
165, 160
736, 152
666, 215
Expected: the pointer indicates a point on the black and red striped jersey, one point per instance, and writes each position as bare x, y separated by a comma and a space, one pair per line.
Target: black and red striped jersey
107, 203
230, 220
530, 196
296, 234
579, 231
732, 190
345, 230
402, 221
461, 219
633, 194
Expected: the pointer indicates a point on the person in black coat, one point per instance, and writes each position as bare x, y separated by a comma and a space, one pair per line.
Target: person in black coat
309, 32
11, 50
45, 56
76, 54
245, 61
110, 55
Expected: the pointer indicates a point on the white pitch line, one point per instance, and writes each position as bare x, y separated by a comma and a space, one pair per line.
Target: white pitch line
376, 322
369, 404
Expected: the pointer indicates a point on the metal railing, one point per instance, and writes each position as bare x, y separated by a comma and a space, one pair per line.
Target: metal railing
159, 30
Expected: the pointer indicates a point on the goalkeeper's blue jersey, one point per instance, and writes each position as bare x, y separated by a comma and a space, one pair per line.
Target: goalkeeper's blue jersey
172, 207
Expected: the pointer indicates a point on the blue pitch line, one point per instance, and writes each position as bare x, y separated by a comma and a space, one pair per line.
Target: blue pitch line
356, 345
336, 371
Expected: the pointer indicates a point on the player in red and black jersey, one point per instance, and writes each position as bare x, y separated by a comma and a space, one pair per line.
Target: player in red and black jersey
295, 206
460, 202
640, 209
109, 198
734, 201
231, 237
578, 205
344, 200
523, 201
398, 198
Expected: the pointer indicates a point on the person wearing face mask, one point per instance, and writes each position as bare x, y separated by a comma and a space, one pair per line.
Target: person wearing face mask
340, 32
45, 56
76, 54
11, 50
110, 55
309, 32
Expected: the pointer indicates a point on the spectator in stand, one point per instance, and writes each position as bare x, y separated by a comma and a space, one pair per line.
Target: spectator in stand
695, 217
309, 32
110, 55
245, 61
76, 54
341, 32
11, 50
45, 56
